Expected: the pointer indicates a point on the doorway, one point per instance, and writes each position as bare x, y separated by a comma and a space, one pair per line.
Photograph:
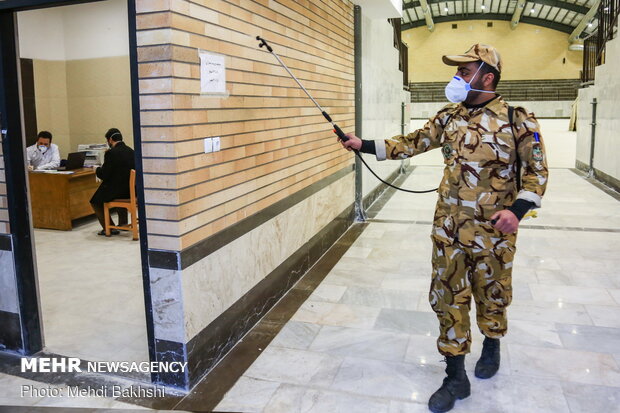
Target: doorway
81, 294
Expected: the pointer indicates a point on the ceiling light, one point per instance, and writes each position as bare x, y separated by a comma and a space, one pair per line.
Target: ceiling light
446, 9
483, 7
533, 10
606, 9
589, 24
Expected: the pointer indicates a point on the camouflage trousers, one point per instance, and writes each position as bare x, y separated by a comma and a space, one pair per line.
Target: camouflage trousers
461, 271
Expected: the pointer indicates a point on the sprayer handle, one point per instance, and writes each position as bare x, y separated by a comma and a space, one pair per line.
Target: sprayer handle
340, 133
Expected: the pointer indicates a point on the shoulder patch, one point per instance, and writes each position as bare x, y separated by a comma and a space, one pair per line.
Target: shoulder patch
537, 153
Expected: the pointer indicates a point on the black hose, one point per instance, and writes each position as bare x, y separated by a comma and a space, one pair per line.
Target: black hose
341, 135
389, 184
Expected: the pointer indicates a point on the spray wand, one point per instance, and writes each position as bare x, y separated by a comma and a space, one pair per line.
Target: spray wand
341, 135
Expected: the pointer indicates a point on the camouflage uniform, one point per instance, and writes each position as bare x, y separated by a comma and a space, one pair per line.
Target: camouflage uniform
470, 256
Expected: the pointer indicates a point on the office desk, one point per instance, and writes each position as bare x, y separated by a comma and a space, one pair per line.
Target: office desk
57, 199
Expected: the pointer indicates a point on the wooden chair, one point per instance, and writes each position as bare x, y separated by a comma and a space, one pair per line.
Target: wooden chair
131, 205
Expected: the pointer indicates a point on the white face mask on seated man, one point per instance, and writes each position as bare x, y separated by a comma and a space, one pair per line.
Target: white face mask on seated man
43, 148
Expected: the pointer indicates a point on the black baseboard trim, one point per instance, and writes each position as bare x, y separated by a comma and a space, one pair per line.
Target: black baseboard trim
379, 189
211, 390
168, 352
207, 348
173, 260
11, 332
5, 243
582, 166
601, 180
607, 179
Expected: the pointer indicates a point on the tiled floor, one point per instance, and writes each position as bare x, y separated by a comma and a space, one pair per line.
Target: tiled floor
365, 339
92, 307
92, 299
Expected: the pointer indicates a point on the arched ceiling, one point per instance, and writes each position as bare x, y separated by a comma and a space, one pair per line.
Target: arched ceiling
562, 15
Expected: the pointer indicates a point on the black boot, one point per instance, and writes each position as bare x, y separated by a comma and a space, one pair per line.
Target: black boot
455, 386
488, 364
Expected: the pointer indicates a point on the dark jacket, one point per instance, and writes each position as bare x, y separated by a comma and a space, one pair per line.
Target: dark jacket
117, 164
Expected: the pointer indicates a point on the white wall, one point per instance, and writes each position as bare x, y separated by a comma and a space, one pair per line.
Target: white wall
96, 30
381, 9
84, 31
382, 93
606, 90
41, 34
584, 120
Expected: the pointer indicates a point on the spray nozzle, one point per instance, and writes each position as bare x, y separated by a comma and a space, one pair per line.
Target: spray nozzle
263, 42
341, 135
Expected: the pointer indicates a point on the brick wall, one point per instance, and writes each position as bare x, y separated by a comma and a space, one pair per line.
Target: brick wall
274, 142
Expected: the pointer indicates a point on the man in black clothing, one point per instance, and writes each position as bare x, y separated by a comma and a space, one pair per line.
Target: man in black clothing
117, 165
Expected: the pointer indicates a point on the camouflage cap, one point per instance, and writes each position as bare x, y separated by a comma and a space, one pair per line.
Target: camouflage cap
477, 52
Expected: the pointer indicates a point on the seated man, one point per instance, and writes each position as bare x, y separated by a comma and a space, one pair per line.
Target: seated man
43, 154
117, 165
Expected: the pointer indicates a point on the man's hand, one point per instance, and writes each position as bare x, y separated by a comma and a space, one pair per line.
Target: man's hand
507, 222
30, 168
353, 143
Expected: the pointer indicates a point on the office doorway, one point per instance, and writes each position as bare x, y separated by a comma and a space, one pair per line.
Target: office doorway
83, 294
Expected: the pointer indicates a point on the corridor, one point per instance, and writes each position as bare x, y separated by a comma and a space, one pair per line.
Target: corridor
365, 338
274, 273
356, 333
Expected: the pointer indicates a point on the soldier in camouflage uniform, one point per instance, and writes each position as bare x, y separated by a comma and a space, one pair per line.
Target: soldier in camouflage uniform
482, 198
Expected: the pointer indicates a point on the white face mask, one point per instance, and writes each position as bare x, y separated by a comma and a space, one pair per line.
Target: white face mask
42, 148
457, 89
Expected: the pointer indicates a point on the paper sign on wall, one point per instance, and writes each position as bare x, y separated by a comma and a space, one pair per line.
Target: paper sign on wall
212, 73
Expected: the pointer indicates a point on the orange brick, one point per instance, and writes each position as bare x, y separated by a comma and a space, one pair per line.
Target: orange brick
147, 6
154, 20
273, 142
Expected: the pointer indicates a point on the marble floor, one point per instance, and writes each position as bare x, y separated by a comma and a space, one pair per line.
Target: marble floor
91, 293
90, 310
365, 339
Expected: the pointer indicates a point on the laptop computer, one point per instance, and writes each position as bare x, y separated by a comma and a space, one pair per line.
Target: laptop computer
75, 160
